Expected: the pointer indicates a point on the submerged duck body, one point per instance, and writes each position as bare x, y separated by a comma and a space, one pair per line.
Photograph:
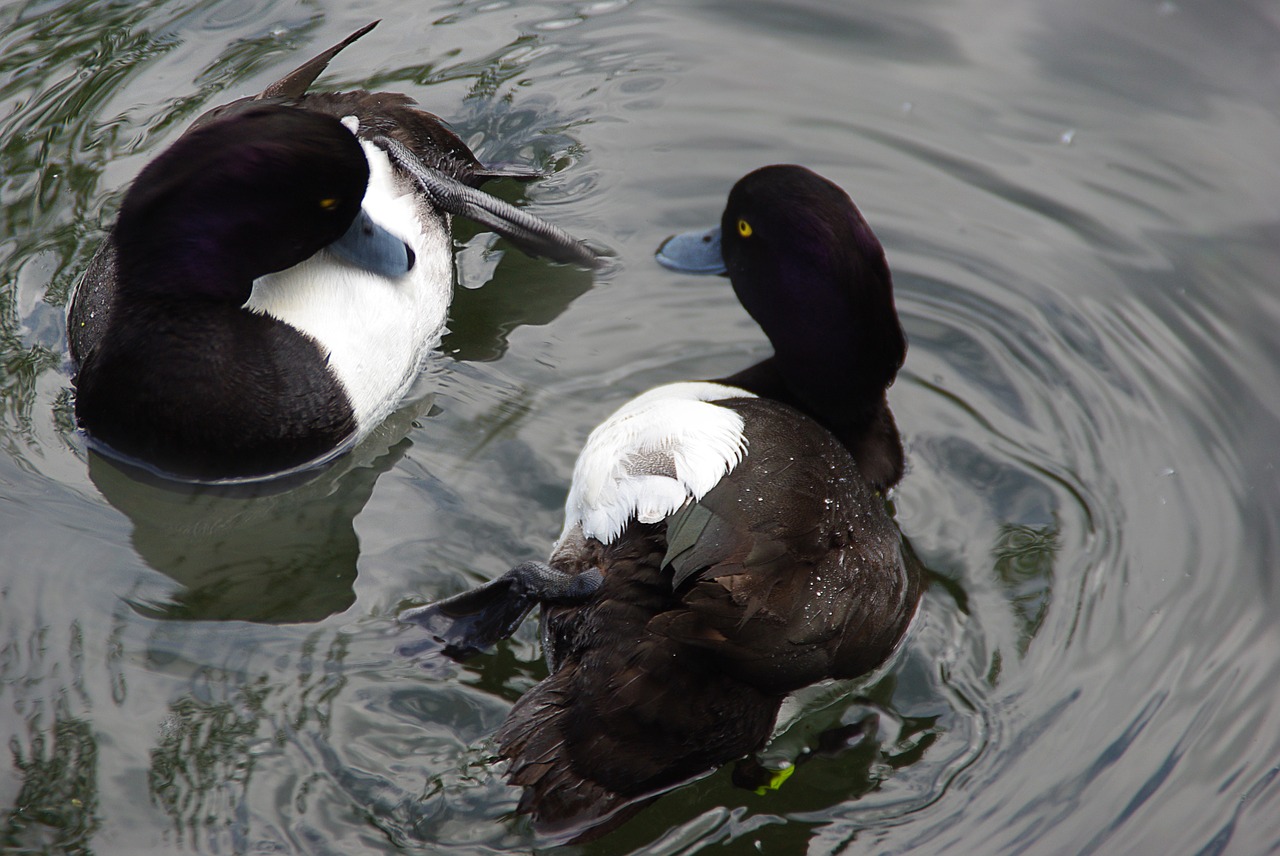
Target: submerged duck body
276, 278
725, 542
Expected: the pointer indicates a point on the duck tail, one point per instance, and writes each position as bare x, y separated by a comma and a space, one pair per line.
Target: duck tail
592, 745
563, 799
296, 83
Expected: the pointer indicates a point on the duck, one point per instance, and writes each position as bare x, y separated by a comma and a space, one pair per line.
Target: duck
275, 279
725, 542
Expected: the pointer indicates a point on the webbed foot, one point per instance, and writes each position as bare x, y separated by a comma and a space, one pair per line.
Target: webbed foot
532, 234
469, 622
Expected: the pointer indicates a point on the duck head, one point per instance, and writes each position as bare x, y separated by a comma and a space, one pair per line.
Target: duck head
807, 267
251, 194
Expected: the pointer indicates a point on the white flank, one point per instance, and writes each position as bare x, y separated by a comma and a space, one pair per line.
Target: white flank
658, 451
376, 330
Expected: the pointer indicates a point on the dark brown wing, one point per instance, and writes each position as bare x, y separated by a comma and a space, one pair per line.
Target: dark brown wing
790, 568
296, 83
379, 113
628, 714
395, 115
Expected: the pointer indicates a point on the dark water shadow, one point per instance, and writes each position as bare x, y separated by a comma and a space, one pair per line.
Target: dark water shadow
275, 552
57, 808
519, 291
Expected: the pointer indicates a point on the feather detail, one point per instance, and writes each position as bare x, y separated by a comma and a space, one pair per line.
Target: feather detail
656, 453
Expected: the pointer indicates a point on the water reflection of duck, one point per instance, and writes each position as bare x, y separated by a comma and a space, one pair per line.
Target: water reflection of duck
276, 277
725, 543
283, 550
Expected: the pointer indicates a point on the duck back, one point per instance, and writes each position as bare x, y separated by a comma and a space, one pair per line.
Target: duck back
704, 622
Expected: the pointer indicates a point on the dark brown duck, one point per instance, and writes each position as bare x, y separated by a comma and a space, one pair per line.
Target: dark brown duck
725, 542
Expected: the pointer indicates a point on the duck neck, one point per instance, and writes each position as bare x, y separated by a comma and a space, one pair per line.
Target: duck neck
836, 351
857, 414
192, 257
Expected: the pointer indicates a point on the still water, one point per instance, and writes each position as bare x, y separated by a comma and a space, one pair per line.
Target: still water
1081, 204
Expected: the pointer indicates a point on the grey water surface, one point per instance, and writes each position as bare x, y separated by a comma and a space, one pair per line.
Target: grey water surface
1081, 204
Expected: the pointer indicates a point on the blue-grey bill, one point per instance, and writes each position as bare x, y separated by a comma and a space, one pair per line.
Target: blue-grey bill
693, 252
371, 247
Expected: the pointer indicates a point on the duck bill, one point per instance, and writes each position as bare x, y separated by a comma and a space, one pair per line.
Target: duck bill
693, 252
370, 247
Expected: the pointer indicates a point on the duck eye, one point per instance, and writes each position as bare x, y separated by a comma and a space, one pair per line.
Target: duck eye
329, 203
744, 228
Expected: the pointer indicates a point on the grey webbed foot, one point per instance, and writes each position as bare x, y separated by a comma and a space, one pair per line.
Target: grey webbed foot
469, 622
532, 234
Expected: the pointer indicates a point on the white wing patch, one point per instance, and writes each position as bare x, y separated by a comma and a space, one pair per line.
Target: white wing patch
658, 451
377, 331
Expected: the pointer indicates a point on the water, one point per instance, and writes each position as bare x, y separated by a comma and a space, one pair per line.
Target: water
1080, 204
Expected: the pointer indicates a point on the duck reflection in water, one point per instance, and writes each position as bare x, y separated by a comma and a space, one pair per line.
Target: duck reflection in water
279, 551
726, 542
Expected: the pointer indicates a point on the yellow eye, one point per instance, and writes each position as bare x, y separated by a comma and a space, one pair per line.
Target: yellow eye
744, 228
329, 203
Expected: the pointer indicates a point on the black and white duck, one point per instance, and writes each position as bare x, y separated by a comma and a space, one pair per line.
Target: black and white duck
276, 278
